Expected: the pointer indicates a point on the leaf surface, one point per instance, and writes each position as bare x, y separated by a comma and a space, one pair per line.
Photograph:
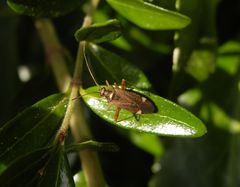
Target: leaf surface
149, 16
115, 68
25, 170
99, 32
43, 8
169, 120
57, 171
32, 129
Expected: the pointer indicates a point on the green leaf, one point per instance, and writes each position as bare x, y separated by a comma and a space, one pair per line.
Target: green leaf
44, 167
149, 16
169, 120
115, 68
147, 142
32, 129
228, 59
97, 146
43, 8
57, 171
25, 170
80, 179
99, 32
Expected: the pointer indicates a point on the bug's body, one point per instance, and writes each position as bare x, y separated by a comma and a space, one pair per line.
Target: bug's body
122, 98
128, 100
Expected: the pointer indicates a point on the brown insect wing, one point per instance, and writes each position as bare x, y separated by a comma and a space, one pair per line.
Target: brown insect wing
146, 107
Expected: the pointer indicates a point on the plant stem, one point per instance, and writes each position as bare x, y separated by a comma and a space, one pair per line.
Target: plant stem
53, 50
77, 76
74, 114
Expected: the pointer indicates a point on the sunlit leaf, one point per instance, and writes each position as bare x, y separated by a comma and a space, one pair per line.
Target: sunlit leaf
149, 16
99, 32
169, 120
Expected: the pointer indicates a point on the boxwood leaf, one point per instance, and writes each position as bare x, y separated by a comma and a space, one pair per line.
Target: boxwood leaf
99, 32
115, 67
169, 120
32, 129
149, 16
43, 8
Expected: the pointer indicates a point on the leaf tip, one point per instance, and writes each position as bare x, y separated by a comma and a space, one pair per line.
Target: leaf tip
202, 130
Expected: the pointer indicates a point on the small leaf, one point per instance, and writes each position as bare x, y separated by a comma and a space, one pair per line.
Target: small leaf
97, 146
32, 129
99, 32
149, 16
169, 120
115, 68
43, 8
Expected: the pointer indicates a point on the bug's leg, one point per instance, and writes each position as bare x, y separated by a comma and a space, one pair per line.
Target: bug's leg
137, 116
117, 113
123, 85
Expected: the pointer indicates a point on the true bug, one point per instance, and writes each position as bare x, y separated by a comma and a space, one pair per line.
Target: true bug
122, 98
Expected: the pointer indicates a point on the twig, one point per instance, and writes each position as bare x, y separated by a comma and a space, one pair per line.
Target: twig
89, 159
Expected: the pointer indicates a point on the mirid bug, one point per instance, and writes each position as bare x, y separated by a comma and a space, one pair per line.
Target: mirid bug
122, 98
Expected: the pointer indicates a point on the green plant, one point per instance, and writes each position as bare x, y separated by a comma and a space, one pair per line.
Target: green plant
36, 143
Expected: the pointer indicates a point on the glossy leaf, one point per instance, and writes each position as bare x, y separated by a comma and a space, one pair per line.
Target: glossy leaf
43, 8
25, 170
97, 146
32, 129
44, 167
149, 16
99, 32
169, 120
57, 171
115, 68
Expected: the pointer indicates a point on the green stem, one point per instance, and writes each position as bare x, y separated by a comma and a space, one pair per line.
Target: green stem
77, 76
53, 50
74, 114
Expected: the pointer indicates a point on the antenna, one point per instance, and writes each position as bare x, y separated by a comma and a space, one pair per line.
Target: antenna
88, 66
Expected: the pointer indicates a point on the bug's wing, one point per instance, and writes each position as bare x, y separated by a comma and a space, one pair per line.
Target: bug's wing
132, 107
134, 102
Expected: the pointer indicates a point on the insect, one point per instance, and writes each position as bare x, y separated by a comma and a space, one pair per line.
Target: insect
122, 98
